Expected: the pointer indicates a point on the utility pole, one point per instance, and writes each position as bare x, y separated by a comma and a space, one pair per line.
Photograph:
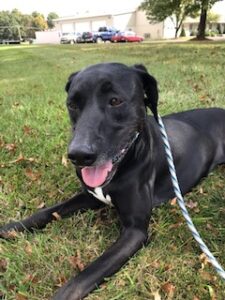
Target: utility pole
19, 33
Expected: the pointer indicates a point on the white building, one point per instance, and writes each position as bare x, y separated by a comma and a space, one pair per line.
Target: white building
134, 20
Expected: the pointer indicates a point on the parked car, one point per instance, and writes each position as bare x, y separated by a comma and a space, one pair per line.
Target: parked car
85, 37
104, 34
69, 38
126, 36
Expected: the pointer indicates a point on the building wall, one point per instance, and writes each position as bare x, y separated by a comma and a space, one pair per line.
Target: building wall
83, 24
135, 21
66, 27
126, 21
146, 29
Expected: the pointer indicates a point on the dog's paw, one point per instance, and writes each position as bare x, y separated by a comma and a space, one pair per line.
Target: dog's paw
10, 231
8, 235
70, 291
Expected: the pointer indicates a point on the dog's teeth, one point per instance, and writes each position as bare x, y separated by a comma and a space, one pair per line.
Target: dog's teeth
118, 157
115, 159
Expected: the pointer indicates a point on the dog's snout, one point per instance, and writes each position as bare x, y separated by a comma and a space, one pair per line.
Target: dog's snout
82, 155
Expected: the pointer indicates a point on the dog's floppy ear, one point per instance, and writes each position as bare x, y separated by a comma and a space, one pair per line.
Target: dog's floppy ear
67, 87
150, 89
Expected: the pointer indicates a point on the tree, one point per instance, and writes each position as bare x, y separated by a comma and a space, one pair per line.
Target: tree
177, 10
39, 21
204, 6
4, 23
50, 17
15, 25
212, 17
27, 27
9, 24
16, 17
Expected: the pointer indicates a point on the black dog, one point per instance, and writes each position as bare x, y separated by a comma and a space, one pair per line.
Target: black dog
119, 157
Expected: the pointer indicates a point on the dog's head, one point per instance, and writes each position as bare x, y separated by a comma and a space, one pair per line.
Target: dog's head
107, 107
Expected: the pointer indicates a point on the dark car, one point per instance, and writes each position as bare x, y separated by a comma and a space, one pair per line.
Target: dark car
104, 34
127, 36
85, 37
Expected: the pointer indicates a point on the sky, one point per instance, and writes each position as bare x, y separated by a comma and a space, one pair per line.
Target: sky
68, 7
71, 7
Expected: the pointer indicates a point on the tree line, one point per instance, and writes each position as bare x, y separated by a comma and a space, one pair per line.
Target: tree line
15, 25
178, 10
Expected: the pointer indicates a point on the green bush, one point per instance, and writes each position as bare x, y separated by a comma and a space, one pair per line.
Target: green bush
193, 33
183, 33
213, 33
219, 29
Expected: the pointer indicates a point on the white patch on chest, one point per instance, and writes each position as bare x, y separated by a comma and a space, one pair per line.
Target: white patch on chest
98, 193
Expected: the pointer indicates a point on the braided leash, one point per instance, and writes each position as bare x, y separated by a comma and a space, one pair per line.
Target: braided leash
180, 199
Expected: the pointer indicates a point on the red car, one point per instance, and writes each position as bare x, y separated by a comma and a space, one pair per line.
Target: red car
126, 36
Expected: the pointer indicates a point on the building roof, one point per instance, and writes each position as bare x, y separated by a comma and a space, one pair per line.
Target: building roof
82, 16
89, 14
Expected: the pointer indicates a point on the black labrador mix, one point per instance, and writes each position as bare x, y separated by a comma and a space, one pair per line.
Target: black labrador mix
119, 158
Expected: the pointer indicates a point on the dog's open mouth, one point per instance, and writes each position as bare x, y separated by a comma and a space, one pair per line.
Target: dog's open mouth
95, 176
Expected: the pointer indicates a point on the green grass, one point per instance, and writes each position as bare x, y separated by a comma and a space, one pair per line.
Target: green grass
34, 126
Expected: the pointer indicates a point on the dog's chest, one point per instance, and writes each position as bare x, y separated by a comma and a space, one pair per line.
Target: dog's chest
98, 194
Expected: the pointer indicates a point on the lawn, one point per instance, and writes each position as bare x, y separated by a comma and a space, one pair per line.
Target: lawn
34, 171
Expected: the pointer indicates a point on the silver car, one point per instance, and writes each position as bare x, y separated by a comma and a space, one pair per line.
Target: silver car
69, 38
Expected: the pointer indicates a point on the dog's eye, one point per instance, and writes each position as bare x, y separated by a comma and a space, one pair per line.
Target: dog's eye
115, 101
72, 106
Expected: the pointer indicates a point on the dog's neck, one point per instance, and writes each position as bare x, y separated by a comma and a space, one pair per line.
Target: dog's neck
98, 193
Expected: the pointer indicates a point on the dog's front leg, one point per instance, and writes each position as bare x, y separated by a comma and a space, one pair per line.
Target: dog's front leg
111, 261
40, 219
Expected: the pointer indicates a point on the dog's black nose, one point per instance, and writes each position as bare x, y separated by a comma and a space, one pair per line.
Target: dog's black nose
82, 155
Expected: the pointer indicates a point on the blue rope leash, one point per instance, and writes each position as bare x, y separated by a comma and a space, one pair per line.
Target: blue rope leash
180, 200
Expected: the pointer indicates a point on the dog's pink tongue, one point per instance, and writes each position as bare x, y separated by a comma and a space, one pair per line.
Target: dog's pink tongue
96, 176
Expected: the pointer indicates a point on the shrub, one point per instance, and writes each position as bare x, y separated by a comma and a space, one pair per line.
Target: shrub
183, 33
219, 29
